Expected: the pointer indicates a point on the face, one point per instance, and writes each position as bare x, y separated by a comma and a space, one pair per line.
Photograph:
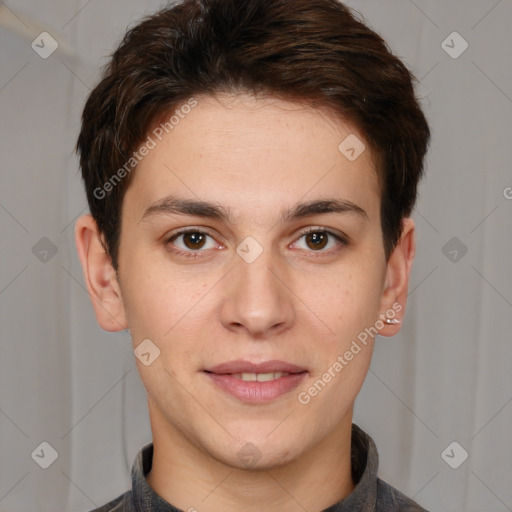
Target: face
250, 244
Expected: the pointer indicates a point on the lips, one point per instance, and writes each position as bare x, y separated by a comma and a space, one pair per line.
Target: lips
256, 383
242, 366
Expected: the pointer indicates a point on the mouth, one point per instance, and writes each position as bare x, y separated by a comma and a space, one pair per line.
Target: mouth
256, 383
259, 377
241, 366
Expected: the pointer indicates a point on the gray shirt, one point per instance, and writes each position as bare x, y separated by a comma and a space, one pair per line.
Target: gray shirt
371, 494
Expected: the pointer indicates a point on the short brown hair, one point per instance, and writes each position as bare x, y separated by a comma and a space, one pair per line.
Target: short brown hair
316, 52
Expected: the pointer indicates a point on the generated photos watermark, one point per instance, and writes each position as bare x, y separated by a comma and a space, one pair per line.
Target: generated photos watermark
150, 143
362, 339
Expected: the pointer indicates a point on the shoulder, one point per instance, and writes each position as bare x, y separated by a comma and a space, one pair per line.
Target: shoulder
122, 503
389, 498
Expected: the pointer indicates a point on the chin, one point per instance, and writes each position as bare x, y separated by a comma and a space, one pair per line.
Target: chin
259, 461
258, 453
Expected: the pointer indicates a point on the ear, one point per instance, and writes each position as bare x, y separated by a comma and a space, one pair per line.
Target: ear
394, 296
100, 276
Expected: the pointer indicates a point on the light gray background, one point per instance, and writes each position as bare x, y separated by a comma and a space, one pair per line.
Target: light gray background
446, 377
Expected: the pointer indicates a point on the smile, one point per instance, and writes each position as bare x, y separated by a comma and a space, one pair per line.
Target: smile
259, 377
256, 388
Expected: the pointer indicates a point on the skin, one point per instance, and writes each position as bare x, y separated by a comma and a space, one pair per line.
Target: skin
296, 302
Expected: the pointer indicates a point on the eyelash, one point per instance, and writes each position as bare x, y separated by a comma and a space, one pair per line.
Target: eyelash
314, 229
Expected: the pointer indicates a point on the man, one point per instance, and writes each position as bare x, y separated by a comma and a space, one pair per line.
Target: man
250, 169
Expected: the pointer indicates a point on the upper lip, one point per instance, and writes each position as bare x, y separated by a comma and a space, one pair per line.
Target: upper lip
242, 366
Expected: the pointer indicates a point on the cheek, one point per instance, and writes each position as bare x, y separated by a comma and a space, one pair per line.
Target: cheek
146, 304
346, 301
167, 307
151, 299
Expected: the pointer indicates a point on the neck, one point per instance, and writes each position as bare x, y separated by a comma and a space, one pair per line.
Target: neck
191, 479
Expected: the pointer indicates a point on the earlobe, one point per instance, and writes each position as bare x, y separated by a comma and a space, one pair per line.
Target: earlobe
100, 276
394, 296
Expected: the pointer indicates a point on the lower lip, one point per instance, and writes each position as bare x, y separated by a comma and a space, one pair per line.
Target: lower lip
254, 392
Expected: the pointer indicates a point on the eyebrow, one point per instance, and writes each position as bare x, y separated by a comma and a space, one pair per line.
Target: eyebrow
172, 205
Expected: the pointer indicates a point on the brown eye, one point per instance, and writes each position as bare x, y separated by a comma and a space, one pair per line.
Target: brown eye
194, 240
191, 242
317, 240
320, 241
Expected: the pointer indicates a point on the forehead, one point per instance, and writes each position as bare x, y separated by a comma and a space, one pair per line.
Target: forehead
246, 152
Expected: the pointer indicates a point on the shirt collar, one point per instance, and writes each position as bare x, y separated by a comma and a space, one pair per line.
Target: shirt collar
364, 460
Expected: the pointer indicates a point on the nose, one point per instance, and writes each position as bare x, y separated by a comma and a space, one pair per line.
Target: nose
258, 299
